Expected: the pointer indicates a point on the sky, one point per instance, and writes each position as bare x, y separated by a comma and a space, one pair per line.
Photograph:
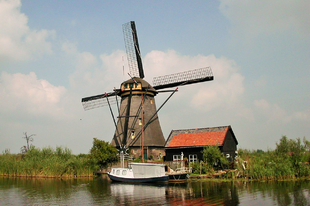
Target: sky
53, 53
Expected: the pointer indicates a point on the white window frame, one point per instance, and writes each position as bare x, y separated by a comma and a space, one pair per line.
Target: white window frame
192, 158
176, 157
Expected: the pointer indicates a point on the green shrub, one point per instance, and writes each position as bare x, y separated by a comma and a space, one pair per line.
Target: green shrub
213, 156
201, 168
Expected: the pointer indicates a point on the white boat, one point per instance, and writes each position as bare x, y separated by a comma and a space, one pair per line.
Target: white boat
139, 172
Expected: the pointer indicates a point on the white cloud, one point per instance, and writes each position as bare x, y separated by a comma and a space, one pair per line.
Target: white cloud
69, 48
225, 90
27, 94
274, 113
86, 65
96, 74
302, 116
262, 104
17, 40
116, 67
253, 18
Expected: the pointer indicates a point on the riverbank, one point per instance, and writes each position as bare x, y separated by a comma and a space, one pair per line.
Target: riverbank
47, 162
290, 160
218, 177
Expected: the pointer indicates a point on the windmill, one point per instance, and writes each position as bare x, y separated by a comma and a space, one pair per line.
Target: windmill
137, 126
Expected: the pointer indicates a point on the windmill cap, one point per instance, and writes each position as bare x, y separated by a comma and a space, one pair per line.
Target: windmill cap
145, 85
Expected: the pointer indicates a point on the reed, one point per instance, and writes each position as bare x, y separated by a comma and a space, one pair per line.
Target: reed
46, 162
272, 166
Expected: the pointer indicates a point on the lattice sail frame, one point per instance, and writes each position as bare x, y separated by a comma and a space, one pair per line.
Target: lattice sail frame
100, 102
130, 50
183, 76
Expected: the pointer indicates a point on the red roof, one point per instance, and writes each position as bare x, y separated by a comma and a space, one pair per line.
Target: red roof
198, 139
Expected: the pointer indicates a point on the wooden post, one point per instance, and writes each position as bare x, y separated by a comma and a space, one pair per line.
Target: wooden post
142, 130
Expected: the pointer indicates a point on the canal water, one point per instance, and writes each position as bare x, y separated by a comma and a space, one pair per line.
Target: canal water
101, 191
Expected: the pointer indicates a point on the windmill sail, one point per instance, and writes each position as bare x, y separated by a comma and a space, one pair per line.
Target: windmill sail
133, 50
183, 78
100, 100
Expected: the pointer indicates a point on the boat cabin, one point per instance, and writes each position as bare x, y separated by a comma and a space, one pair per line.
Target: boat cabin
139, 172
122, 172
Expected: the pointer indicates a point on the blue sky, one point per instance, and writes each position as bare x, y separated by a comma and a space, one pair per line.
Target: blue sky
53, 53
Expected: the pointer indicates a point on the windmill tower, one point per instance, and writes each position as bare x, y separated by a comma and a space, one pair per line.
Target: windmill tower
137, 126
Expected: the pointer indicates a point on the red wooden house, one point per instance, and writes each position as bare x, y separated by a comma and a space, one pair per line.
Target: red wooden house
190, 143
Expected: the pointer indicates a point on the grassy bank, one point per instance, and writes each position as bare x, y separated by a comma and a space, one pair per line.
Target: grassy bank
289, 160
259, 165
46, 162
273, 164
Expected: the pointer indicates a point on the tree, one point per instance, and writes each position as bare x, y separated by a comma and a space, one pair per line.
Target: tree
103, 153
295, 150
25, 149
290, 146
213, 156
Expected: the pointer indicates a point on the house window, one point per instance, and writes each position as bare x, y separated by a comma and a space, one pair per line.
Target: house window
176, 157
192, 158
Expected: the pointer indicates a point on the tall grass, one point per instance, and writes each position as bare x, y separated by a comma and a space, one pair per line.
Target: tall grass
46, 162
271, 165
290, 159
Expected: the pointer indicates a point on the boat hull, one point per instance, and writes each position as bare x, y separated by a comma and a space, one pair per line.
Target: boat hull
138, 180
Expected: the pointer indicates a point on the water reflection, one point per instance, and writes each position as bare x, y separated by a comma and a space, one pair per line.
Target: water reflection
203, 193
101, 191
29, 191
188, 193
282, 192
145, 194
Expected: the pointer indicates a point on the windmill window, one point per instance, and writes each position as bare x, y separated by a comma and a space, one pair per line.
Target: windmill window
151, 101
132, 134
125, 86
140, 121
